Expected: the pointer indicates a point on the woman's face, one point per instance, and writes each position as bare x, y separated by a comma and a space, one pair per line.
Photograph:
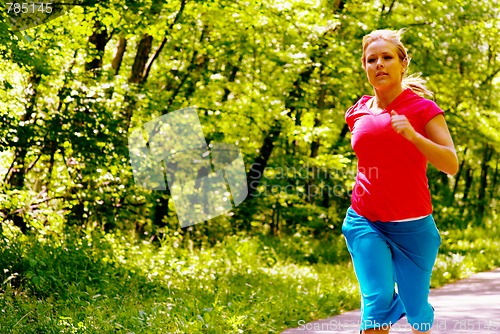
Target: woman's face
383, 67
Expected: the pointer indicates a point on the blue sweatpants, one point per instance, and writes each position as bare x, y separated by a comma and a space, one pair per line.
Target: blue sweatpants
389, 254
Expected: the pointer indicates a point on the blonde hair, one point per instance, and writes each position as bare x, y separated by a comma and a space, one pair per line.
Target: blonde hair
415, 82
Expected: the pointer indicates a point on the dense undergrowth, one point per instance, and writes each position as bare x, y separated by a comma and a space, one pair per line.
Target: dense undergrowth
112, 283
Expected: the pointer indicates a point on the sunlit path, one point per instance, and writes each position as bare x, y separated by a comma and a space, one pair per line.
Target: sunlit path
471, 305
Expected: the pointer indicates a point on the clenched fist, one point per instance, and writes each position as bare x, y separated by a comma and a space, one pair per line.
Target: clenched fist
402, 125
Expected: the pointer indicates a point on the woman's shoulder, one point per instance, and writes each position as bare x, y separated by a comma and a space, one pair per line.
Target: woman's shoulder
358, 105
413, 97
421, 108
356, 110
411, 103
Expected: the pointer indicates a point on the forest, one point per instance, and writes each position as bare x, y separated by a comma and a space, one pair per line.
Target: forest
84, 248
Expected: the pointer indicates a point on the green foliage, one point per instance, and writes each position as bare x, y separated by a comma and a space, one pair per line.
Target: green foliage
274, 78
114, 282
464, 252
103, 283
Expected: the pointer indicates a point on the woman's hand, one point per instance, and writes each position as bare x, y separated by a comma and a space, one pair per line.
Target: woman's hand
438, 148
402, 125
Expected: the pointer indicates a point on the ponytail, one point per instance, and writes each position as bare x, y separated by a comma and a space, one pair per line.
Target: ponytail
417, 84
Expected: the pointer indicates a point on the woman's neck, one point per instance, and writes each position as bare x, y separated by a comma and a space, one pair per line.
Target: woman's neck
383, 99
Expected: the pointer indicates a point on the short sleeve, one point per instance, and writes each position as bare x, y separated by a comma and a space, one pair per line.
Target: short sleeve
349, 119
431, 111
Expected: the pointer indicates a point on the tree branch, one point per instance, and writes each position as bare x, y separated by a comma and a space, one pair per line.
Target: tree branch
163, 42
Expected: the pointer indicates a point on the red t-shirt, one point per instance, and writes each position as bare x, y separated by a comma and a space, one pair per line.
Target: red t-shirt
391, 182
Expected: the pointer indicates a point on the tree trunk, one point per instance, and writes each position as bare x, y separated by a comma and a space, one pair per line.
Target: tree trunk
314, 149
141, 59
445, 186
232, 77
257, 169
457, 179
15, 175
17, 171
99, 38
142, 66
192, 66
340, 139
275, 221
468, 184
494, 180
295, 95
195, 68
481, 197
120, 51
52, 159
165, 39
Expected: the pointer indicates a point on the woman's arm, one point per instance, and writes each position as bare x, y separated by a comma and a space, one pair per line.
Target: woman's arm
438, 148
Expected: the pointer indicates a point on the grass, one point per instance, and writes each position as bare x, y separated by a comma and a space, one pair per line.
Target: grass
112, 283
